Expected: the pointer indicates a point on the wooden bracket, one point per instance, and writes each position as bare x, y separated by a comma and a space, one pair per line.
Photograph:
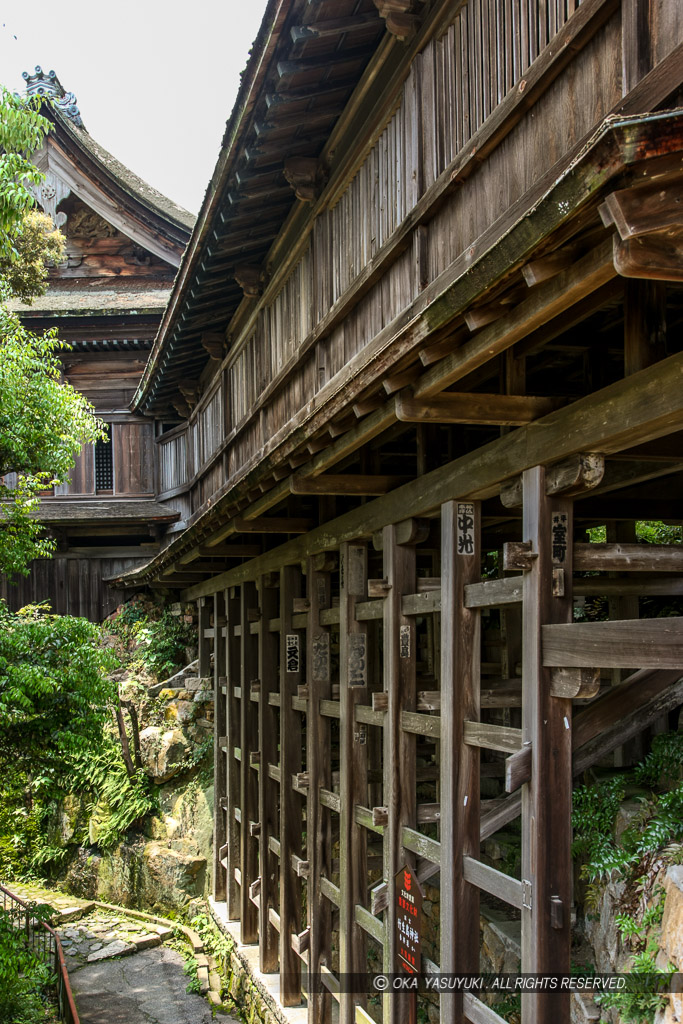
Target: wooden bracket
250, 280
408, 532
518, 555
547, 266
399, 17
307, 176
190, 390
380, 816
379, 898
255, 889
214, 343
254, 758
575, 682
254, 829
518, 768
556, 912
380, 701
578, 473
301, 942
378, 588
299, 866
657, 257
642, 211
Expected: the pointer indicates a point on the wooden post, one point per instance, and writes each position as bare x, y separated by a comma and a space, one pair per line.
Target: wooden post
644, 324
268, 792
459, 791
204, 607
400, 684
220, 759
232, 739
546, 725
319, 766
291, 816
353, 767
248, 781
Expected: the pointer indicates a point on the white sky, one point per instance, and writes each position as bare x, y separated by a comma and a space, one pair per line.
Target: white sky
155, 80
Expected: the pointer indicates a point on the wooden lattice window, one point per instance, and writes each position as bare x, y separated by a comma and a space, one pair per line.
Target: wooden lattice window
104, 462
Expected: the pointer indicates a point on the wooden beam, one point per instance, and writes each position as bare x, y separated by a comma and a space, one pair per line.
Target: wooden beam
546, 302
267, 524
220, 551
249, 846
232, 728
344, 483
624, 414
639, 211
220, 760
628, 558
476, 408
657, 257
648, 643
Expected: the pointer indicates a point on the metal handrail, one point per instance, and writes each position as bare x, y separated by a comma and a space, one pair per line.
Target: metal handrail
44, 941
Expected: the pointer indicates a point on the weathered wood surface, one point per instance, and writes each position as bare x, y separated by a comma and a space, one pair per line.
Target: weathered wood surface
647, 643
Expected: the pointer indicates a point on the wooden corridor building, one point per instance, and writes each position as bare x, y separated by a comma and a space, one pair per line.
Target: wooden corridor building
427, 331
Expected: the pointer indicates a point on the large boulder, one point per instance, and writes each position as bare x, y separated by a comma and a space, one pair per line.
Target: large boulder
163, 751
173, 874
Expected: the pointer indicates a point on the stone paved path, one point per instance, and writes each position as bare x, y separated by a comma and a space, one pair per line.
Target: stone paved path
148, 988
120, 971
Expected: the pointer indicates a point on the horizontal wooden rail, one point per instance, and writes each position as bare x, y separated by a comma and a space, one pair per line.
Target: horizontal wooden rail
478, 1012
369, 923
330, 890
421, 725
493, 737
423, 846
495, 883
645, 643
491, 593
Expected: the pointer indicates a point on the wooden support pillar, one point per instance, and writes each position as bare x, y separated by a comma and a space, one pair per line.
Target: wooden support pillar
319, 766
205, 608
546, 726
644, 324
353, 767
248, 779
232, 739
459, 788
220, 758
291, 810
269, 735
400, 685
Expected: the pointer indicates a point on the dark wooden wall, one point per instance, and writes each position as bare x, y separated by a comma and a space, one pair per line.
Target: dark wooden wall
73, 585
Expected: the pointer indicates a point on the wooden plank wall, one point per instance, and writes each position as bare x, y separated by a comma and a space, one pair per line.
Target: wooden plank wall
72, 585
367, 695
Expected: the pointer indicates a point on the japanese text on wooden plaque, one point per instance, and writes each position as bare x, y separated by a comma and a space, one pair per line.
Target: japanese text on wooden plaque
408, 899
465, 524
292, 652
358, 661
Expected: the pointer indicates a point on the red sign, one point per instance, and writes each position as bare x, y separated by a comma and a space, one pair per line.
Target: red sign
408, 900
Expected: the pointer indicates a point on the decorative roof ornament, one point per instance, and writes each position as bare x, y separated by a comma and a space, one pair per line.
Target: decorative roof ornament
46, 84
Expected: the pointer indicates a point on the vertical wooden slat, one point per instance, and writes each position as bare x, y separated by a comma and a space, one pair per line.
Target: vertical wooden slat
232, 734
399, 643
353, 765
291, 817
636, 44
546, 725
248, 780
459, 777
220, 765
319, 767
268, 793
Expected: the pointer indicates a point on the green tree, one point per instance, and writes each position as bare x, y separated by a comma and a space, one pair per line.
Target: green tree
55, 695
43, 422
